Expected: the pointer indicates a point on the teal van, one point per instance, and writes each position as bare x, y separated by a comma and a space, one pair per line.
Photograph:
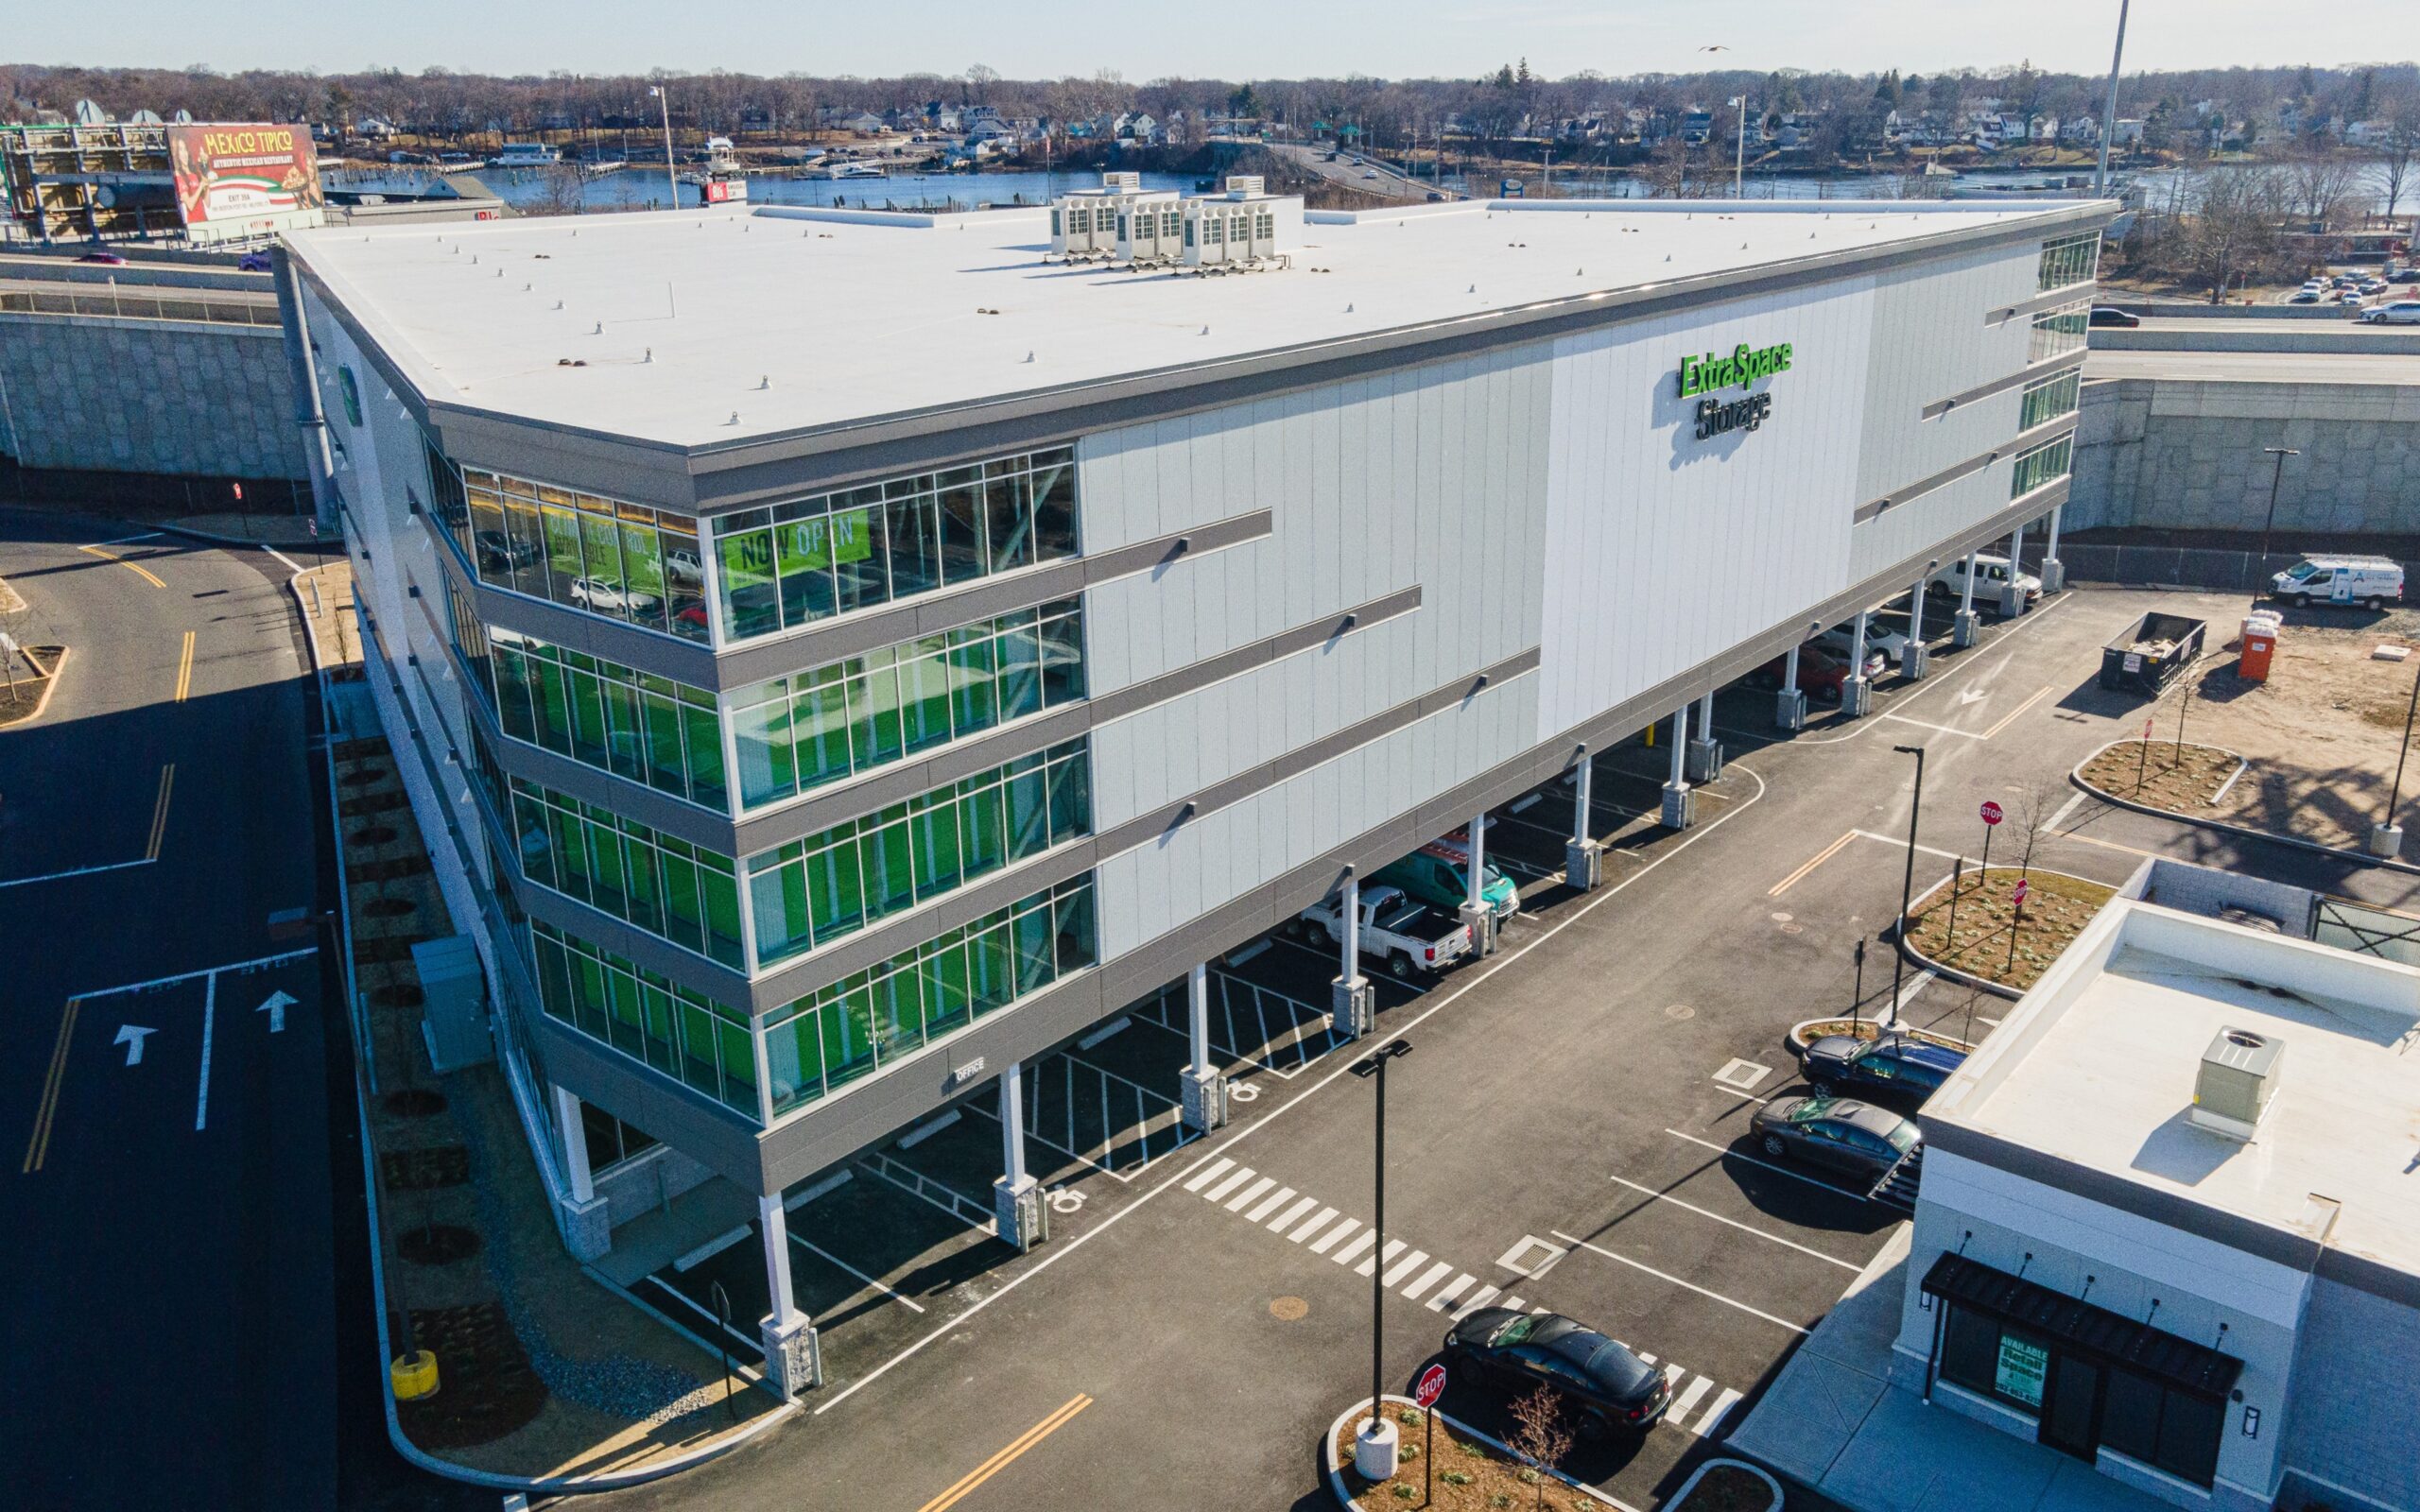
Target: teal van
1439, 873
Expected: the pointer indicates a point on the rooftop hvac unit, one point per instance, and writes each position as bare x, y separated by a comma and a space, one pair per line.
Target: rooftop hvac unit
1083, 224
1128, 183
2237, 1078
1237, 232
1246, 185
1151, 229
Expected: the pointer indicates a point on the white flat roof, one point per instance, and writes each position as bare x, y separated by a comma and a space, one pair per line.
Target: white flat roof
2098, 1070
793, 319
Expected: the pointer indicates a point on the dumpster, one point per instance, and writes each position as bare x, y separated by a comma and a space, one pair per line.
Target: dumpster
2259, 645
2149, 652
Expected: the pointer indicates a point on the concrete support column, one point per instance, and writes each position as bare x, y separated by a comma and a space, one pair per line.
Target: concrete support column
793, 1355
1583, 859
1704, 761
1919, 657
1353, 1002
1856, 693
1477, 917
1016, 1197
1205, 1091
2012, 592
1679, 801
2054, 572
1789, 704
1963, 630
586, 1222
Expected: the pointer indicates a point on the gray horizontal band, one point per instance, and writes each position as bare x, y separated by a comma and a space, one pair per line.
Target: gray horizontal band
2054, 367
2050, 430
2070, 295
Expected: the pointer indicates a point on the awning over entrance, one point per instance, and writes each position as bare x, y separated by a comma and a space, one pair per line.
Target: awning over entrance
2083, 1327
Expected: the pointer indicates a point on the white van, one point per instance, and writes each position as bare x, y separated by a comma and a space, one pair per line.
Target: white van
2373, 582
1990, 575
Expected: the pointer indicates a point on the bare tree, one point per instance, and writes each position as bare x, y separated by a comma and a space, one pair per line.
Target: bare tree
2319, 187
561, 192
2394, 160
2233, 228
2029, 813
1539, 1435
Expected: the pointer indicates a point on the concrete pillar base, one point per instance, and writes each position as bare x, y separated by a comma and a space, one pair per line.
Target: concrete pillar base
1916, 662
1024, 1220
2011, 601
1789, 709
1374, 1446
588, 1228
1353, 1007
1584, 865
793, 1355
1965, 629
1680, 805
2054, 575
2386, 840
1857, 698
1204, 1099
1481, 921
1703, 761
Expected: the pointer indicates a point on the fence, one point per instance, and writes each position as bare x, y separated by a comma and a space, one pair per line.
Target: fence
146, 305
2171, 566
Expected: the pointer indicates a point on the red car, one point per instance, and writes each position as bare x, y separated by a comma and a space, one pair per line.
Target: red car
112, 259
1821, 674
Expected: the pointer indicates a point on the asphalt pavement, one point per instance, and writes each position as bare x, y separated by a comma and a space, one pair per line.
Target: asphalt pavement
2258, 367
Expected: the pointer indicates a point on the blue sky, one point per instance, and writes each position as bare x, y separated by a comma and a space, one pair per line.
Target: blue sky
1235, 39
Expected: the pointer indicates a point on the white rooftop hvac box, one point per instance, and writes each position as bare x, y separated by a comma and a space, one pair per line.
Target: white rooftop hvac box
1083, 222
1151, 229
1242, 228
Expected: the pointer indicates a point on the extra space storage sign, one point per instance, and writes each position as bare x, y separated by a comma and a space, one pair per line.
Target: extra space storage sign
1717, 372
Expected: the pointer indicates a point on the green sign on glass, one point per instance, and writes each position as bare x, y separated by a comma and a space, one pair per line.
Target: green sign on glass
2022, 1366
833, 537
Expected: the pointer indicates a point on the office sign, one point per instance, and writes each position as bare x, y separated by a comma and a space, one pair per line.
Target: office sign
1740, 369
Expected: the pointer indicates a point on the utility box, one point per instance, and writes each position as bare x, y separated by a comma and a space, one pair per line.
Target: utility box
454, 1003
2237, 1081
2258, 645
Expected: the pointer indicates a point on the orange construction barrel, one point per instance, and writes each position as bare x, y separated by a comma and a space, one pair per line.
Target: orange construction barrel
2259, 645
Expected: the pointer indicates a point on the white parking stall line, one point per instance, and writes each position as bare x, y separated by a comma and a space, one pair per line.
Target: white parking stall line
874, 1282
1675, 1373
1644, 1357
1286, 1220
1313, 1225
1195, 1181
1688, 1400
1735, 1223
1249, 1194
1384, 1257
1343, 1227
1730, 1153
1283, 1195
1686, 1286
1451, 1293
1517, 1304
1474, 1302
1242, 1174
1418, 1289
1402, 1267
1713, 1414
1353, 1252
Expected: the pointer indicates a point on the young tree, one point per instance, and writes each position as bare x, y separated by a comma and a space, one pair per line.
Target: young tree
1539, 1435
2394, 160
2233, 227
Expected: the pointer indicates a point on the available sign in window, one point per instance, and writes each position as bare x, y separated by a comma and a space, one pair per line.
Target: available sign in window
2022, 1366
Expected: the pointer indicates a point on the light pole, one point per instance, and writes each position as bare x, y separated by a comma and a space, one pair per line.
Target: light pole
2387, 839
671, 181
2280, 452
1906, 879
1375, 1440
2109, 117
1739, 159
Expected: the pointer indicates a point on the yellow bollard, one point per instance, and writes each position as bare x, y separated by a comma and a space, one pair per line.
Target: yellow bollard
413, 1375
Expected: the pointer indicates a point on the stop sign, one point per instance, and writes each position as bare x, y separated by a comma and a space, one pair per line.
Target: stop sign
2022, 888
1430, 1386
1991, 812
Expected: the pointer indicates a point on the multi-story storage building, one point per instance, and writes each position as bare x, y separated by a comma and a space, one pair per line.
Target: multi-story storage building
850, 658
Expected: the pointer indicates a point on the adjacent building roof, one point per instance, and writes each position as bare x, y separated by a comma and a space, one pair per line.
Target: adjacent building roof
793, 320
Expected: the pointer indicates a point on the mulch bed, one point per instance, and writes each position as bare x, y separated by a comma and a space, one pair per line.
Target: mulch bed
2162, 776
485, 1388
1469, 1475
1728, 1488
20, 700
443, 1165
2056, 909
392, 870
354, 808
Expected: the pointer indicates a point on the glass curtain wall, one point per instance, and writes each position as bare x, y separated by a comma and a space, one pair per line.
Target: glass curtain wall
2049, 399
833, 884
680, 1033
856, 1026
2068, 260
797, 733
2044, 464
795, 563
673, 890
2059, 331
615, 718
625, 561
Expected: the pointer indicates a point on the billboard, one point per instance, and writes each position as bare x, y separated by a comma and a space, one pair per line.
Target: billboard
244, 179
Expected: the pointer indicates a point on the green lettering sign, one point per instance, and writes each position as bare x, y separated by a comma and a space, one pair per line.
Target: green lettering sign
1740, 369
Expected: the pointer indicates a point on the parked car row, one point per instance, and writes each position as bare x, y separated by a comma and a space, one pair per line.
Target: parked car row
1410, 909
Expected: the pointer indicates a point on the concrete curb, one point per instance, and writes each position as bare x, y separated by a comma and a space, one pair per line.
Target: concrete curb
169, 527
1950, 974
49, 686
1343, 1493
1681, 1496
2223, 827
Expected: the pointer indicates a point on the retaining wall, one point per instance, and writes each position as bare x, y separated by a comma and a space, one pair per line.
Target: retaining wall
148, 396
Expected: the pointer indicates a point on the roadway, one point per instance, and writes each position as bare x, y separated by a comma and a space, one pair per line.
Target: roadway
1370, 175
2257, 366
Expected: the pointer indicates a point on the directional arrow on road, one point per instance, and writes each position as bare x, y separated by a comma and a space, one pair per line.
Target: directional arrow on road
1973, 696
130, 1035
275, 1007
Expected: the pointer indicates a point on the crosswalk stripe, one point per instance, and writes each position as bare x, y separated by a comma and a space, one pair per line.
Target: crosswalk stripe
1242, 1175
1673, 1371
1690, 1398
1474, 1302
1384, 1257
1343, 1227
1419, 1288
1208, 1173
1271, 1205
1517, 1304
1452, 1292
1646, 1357
1402, 1267
1286, 1220
1713, 1414
1313, 1225
1249, 1193
1363, 1241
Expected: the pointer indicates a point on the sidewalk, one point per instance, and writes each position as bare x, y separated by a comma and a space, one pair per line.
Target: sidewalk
545, 1375
254, 529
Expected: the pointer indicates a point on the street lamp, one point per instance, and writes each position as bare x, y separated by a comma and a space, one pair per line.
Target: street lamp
672, 181
2109, 118
2280, 452
2387, 840
1739, 159
1374, 1446
1906, 879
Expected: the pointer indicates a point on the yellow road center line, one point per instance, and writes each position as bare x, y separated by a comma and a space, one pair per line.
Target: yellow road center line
184, 669
2019, 710
145, 572
1821, 856
38, 1145
1000, 1461
160, 812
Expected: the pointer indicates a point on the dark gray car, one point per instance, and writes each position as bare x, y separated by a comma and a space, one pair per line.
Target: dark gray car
1838, 1133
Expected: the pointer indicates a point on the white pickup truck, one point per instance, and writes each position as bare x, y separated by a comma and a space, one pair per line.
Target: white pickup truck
1408, 936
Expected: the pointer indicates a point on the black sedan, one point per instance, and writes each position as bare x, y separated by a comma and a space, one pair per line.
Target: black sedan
1609, 1386
2109, 315
1856, 1138
1891, 1062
